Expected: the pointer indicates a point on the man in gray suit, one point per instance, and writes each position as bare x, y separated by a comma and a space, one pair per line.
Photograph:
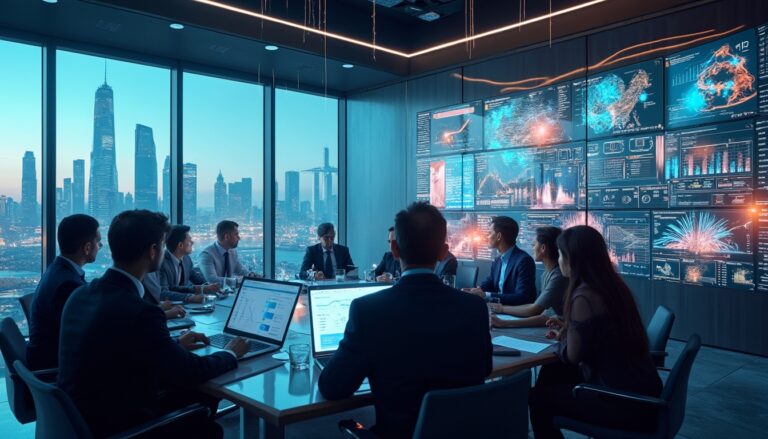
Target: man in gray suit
177, 272
219, 260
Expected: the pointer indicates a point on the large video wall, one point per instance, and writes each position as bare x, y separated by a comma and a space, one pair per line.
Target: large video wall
667, 158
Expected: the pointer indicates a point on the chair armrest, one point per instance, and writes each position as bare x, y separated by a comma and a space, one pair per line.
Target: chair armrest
46, 375
591, 391
162, 421
659, 353
355, 430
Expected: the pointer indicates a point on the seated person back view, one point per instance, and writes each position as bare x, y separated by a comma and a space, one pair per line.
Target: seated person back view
403, 351
116, 355
79, 242
177, 273
326, 257
219, 260
513, 272
389, 267
549, 304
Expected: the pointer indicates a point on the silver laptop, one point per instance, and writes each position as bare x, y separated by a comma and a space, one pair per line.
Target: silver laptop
261, 314
328, 315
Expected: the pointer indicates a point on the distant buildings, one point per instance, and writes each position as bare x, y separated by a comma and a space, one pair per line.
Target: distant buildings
167, 185
220, 197
292, 195
29, 190
189, 193
145, 170
78, 186
102, 186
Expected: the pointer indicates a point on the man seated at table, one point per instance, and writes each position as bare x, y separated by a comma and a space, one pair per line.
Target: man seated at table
79, 243
156, 294
177, 272
219, 260
447, 266
512, 278
326, 257
117, 361
389, 267
391, 338
549, 303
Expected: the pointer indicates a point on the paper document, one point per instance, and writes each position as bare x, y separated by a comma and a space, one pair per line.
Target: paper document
520, 345
507, 317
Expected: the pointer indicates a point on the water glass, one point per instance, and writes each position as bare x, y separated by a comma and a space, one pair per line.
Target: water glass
370, 275
209, 301
230, 285
298, 355
450, 280
340, 275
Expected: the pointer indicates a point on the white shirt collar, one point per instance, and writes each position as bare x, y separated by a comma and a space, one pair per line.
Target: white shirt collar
75, 265
136, 282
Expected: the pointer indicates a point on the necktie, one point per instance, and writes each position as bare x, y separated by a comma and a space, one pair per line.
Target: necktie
181, 273
328, 268
226, 264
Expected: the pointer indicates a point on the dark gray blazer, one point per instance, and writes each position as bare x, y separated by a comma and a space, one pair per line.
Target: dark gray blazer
169, 279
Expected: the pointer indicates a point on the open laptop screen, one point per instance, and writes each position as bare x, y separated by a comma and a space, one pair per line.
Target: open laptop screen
329, 312
263, 309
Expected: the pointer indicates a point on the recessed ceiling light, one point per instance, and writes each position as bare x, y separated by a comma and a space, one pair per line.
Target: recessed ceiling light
50, 1
176, 26
271, 48
347, 66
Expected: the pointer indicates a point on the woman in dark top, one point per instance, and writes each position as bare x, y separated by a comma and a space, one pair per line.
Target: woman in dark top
601, 341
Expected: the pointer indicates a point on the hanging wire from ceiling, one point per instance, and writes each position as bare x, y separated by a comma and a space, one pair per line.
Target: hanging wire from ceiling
373, 19
550, 23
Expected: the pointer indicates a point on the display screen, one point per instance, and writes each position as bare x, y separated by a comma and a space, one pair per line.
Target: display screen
762, 65
762, 249
713, 82
463, 237
446, 182
704, 247
550, 177
626, 100
627, 172
456, 129
627, 235
761, 184
543, 116
710, 165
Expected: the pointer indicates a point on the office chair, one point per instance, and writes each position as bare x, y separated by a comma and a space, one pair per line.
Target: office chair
658, 331
26, 304
671, 404
494, 409
59, 418
466, 276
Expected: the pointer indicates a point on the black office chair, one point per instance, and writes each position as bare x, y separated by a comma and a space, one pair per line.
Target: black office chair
658, 331
495, 409
671, 404
466, 276
26, 304
59, 418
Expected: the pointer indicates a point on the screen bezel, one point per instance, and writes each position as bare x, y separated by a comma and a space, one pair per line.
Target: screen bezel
237, 332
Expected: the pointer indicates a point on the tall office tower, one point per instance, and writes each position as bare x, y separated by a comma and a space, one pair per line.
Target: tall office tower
119, 203
60, 203
235, 200
78, 186
322, 206
189, 197
67, 197
220, 197
29, 190
327, 199
145, 171
167, 185
102, 187
246, 198
129, 203
292, 195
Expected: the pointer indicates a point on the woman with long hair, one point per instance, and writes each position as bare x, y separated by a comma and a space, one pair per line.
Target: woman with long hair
601, 341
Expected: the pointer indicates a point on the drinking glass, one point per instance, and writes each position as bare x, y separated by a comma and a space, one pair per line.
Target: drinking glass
369, 275
230, 284
298, 355
450, 280
340, 274
209, 301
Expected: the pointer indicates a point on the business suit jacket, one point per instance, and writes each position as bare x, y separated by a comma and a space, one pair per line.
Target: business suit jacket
406, 352
388, 264
212, 265
169, 279
520, 279
314, 255
155, 293
116, 355
447, 266
55, 287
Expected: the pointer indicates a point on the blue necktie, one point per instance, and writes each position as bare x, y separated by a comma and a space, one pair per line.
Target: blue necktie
328, 268
226, 264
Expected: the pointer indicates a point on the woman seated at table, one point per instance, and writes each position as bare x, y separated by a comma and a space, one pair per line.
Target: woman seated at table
549, 304
601, 341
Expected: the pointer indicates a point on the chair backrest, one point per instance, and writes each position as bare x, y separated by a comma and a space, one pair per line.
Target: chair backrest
57, 415
26, 304
659, 329
14, 348
466, 276
496, 409
676, 388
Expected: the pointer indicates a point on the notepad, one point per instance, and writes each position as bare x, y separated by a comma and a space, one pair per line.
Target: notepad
507, 317
521, 345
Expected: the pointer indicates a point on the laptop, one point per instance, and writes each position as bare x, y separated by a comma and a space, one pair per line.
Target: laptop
261, 314
328, 315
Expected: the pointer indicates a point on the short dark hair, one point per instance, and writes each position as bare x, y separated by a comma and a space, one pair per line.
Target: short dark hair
74, 231
507, 227
133, 232
420, 231
177, 235
324, 228
547, 236
224, 227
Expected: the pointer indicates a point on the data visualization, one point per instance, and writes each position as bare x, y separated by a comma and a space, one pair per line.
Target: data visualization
447, 182
263, 309
550, 177
627, 172
762, 249
761, 184
456, 129
543, 116
627, 235
713, 82
704, 247
626, 100
710, 165
462, 236
762, 61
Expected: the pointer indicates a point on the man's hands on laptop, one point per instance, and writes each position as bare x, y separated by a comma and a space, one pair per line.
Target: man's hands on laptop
238, 345
175, 312
193, 340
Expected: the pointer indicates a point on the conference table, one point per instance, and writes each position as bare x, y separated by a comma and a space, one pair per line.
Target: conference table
271, 399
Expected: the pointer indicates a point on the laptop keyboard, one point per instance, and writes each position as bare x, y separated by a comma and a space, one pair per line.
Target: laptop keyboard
221, 341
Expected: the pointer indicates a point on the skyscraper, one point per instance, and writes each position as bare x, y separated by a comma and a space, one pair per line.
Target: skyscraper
189, 197
67, 196
167, 185
128, 202
235, 199
246, 198
29, 190
145, 171
102, 187
78, 186
220, 197
292, 195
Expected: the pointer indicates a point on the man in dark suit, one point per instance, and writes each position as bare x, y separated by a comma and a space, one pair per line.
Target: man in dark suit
177, 273
326, 257
79, 242
116, 355
513, 272
447, 266
392, 341
389, 267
